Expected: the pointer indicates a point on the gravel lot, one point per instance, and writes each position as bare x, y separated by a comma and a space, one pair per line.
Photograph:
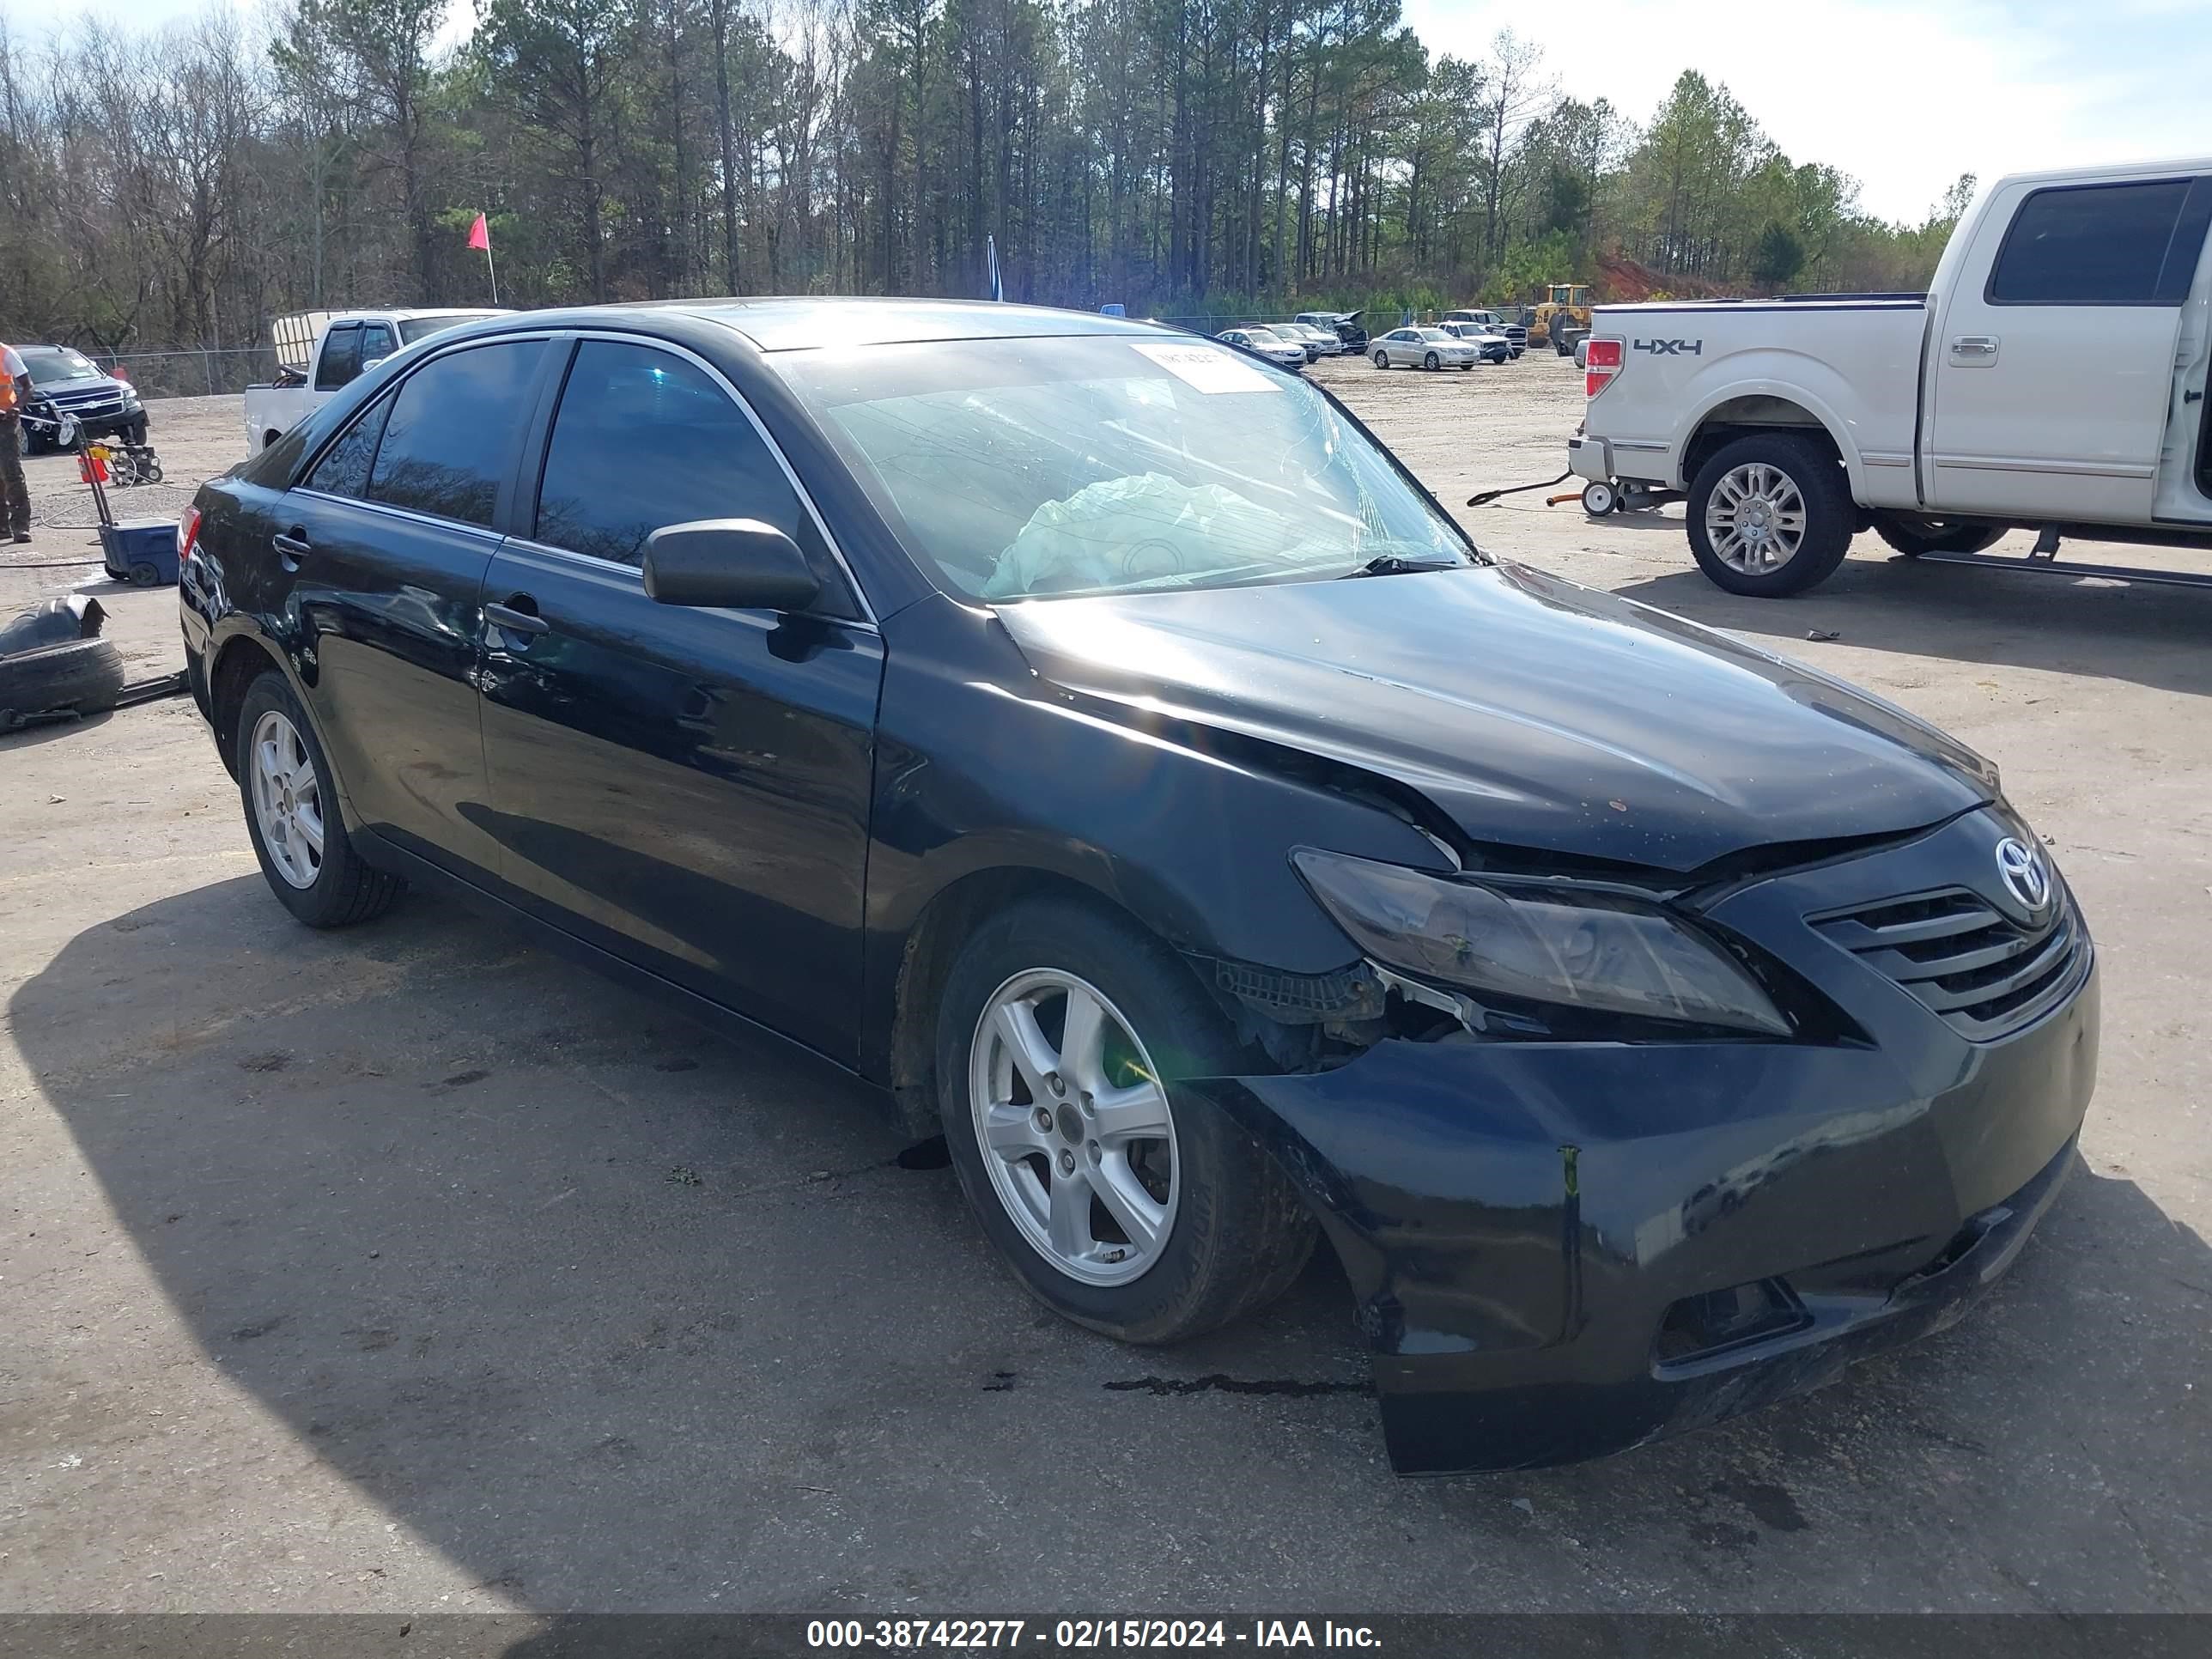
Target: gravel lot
410, 1269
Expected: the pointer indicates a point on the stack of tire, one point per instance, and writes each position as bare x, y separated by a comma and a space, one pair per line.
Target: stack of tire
54, 665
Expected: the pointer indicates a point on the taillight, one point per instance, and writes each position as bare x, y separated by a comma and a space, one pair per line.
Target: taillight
1601, 362
188, 533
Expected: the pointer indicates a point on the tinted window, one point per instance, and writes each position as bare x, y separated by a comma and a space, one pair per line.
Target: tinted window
376, 342
644, 438
450, 438
2102, 244
344, 470
340, 358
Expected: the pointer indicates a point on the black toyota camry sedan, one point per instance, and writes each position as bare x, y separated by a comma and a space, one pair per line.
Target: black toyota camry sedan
1093, 738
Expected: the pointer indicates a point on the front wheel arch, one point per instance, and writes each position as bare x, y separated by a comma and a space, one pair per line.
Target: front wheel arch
934, 942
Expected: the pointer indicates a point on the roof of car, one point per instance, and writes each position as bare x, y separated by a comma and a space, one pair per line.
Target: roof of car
798, 324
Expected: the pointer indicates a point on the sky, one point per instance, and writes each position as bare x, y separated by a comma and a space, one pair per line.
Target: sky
1905, 97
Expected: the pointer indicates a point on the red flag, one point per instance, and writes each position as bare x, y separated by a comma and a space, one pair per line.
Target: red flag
480, 235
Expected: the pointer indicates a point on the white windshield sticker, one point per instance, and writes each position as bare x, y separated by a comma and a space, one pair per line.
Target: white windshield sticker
1207, 368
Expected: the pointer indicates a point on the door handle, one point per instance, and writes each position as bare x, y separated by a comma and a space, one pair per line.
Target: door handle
512, 618
1975, 348
292, 546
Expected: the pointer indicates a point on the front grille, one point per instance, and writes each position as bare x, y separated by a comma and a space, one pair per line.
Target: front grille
1986, 974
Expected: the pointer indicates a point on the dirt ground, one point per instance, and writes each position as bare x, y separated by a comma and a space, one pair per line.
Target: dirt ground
410, 1269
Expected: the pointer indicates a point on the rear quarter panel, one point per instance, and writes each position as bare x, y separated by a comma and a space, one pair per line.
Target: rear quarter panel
1854, 369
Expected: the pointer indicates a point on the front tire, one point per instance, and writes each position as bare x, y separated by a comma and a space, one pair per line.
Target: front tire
293, 817
1120, 1201
1431, 361
1769, 515
1381, 359
1913, 535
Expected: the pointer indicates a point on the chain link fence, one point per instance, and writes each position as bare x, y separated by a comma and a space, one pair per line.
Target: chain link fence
191, 372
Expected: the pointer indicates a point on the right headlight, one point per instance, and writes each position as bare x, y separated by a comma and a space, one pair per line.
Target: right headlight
1598, 952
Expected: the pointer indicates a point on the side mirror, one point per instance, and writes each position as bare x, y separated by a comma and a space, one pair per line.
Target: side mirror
737, 564
373, 362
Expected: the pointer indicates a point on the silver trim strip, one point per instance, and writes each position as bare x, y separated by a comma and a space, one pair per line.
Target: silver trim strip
2069, 469
1873, 459
480, 531
1638, 443
617, 566
790, 475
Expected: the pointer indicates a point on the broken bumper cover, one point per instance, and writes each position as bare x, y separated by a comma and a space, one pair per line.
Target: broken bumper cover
1560, 1251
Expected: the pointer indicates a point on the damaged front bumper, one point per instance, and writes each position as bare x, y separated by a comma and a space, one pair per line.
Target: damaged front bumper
1561, 1250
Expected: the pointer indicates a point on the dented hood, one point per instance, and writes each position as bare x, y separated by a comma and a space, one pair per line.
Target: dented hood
1534, 712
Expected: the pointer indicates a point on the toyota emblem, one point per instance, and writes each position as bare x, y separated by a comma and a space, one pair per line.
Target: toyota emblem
2026, 877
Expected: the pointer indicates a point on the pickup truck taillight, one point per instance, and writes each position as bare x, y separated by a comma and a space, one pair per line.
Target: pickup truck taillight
1601, 362
188, 532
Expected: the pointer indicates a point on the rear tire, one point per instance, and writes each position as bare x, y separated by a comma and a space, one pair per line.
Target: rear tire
1788, 478
1232, 1232
325, 886
1914, 536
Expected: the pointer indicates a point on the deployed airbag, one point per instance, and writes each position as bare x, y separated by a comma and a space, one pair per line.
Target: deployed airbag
1146, 528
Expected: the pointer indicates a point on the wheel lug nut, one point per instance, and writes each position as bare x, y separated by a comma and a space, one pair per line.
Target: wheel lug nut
1095, 1153
1067, 1163
1053, 1083
1042, 1119
1089, 1109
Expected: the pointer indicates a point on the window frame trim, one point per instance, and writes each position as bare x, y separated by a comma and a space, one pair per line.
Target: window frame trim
2190, 182
530, 485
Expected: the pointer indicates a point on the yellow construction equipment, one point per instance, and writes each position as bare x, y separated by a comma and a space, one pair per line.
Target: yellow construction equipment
1570, 304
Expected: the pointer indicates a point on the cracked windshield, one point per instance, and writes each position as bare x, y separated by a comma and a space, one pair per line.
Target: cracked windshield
1043, 468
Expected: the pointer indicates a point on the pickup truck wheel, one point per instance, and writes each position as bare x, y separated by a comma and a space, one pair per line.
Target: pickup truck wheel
1769, 516
1913, 535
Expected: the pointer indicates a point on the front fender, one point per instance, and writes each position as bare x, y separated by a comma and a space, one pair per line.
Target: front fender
998, 772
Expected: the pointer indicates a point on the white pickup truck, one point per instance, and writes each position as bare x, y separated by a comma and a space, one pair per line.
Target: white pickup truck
321, 352
2052, 378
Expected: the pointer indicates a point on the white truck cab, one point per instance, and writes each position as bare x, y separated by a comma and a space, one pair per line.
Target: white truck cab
2052, 378
320, 353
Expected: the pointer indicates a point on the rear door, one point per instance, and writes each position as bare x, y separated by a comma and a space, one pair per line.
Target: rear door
387, 538
2052, 366
687, 789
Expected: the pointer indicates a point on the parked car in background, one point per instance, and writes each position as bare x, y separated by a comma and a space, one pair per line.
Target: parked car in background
1422, 347
1094, 741
1345, 325
1319, 342
1517, 333
321, 353
67, 387
1491, 348
1582, 352
1945, 418
1264, 343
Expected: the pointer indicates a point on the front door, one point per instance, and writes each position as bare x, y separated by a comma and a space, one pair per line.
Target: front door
387, 539
2052, 365
687, 789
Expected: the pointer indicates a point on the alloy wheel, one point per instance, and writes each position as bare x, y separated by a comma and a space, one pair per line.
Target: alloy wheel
1755, 517
287, 800
1075, 1129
